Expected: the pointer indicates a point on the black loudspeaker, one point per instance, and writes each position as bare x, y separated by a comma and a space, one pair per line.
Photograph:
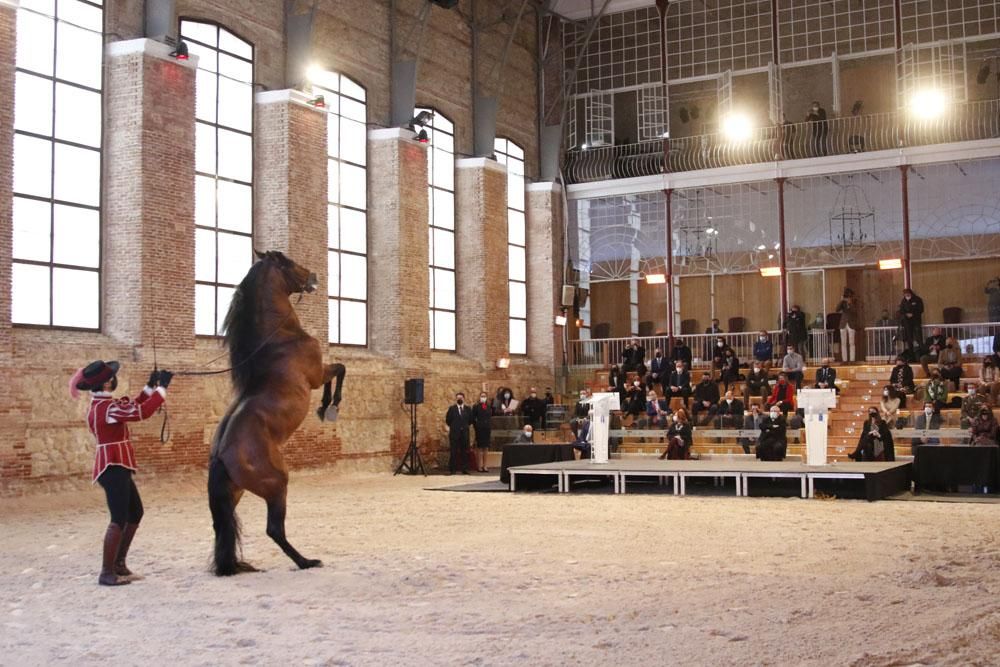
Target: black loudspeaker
413, 391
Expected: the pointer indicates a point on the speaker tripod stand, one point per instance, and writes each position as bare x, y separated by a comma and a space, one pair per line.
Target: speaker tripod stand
412, 463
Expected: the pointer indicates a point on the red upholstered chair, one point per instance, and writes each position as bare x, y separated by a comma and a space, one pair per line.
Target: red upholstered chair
952, 315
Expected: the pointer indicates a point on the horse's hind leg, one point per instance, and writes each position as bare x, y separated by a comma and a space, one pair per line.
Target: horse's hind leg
276, 507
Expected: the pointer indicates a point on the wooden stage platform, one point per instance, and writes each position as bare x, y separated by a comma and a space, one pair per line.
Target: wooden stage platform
879, 480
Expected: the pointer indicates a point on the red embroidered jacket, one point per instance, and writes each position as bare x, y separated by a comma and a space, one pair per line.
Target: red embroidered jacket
108, 420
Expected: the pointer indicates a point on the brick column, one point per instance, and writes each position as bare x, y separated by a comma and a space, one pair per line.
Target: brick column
398, 289
481, 260
149, 195
8, 56
545, 231
290, 204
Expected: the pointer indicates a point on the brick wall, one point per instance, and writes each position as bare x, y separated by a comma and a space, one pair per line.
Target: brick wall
14, 459
544, 220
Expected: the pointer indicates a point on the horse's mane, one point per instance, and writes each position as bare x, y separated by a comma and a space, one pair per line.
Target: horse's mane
240, 329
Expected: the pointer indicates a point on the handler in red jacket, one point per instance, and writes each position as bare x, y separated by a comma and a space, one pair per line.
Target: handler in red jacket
114, 463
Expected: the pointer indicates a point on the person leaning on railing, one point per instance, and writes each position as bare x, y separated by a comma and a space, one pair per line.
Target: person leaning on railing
989, 380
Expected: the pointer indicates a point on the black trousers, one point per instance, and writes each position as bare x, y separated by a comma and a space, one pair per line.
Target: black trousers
124, 502
458, 454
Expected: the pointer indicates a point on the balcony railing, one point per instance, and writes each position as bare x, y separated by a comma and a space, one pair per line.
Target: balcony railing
974, 339
792, 141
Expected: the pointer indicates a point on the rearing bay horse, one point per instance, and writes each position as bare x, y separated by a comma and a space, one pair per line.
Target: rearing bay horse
275, 365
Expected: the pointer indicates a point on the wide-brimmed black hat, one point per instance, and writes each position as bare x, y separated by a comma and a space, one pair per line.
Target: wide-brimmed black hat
96, 373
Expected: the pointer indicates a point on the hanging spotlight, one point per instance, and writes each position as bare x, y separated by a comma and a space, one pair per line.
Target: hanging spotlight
180, 52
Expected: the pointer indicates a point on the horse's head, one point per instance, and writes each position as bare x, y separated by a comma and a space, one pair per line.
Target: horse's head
297, 278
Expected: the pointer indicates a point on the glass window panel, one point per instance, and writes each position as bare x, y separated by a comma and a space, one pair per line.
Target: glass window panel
354, 323
516, 260
235, 68
518, 337
353, 141
233, 44
205, 84
204, 255
235, 155
442, 123
35, 43
444, 249
515, 151
351, 89
32, 234
333, 273
207, 57
224, 296
204, 201
353, 230
353, 277
444, 289
518, 300
206, 33
235, 104
235, 206
32, 104
204, 310
29, 294
81, 14
77, 175
444, 170
43, 6
444, 330
333, 320
78, 55
75, 298
444, 209
443, 142
332, 136
431, 314
333, 226
333, 181
353, 110
515, 227
353, 189
76, 236
235, 252
204, 148
78, 115
32, 166
324, 79
515, 191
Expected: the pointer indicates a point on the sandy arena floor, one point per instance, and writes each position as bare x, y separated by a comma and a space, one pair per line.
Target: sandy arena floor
417, 577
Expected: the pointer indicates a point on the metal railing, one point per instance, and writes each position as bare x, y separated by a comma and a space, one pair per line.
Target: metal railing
974, 338
792, 141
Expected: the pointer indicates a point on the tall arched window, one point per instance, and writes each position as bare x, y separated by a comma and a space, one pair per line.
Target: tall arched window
347, 211
441, 232
223, 168
512, 155
57, 164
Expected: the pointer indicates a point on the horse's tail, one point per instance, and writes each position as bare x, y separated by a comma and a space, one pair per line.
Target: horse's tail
224, 521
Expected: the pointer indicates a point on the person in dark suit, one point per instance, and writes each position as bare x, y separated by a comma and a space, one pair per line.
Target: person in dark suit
679, 384
635, 400
659, 370
681, 352
582, 408
533, 409
482, 414
773, 443
730, 412
706, 399
616, 382
758, 383
457, 421
928, 420
818, 124
526, 437
751, 422
718, 355
826, 377
911, 313
730, 368
795, 328
633, 358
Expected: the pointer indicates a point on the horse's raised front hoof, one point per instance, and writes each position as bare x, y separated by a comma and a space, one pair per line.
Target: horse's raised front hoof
309, 563
321, 413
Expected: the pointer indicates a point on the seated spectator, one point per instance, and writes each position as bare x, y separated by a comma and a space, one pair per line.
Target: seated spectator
928, 420
757, 383
730, 368
763, 350
681, 353
633, 358
533, 408
901, 377
719, 355
783, 395
706, 399
875, 443
989, 380
655, 410
935, 391
616, 383
888, 408
582, 409
659, 371
505, 404
678, 438
581, 437
635, 400
931, 348
793, 366
826, 377
730, 412
679, 384
984, 429
527, 435
972, 403
950, 362
773, 442
751, 422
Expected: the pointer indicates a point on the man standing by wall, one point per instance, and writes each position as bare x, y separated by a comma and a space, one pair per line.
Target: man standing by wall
457, 421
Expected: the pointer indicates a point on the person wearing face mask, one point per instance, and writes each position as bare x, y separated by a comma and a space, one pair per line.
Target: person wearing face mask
875, 443
795, 327
817, 123
659, 369
950, 362
719, 355
681, 353
984, 429
678, 438
482, 414
763, 350
710, 343
505, 404
783, 395
773, 442
972, 403
935, 391
901, 377
635, 400
850, 315
581, 437
751, 422
656, 411
989, 380
457, 421
758, 383
793, 366
527, 436
533, 408
679, 384
616, 383
928, 420
826, 377
730, 368
582, 408
931, 349
911, 312
633, 358
888, 407
706, 399
730, 412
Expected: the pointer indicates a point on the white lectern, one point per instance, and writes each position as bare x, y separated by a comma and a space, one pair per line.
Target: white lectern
601, 405
815, 403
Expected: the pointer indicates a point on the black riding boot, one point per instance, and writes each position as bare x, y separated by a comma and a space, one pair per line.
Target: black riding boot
112, 540
121, 569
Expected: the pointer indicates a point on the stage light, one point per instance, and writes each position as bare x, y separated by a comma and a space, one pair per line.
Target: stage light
319, 102
503, 362
180, 52
560, 320
584, 147
655, 279
928, 104
886, 264
579, 323
422, 137
770, 271
737, 127
314, 72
